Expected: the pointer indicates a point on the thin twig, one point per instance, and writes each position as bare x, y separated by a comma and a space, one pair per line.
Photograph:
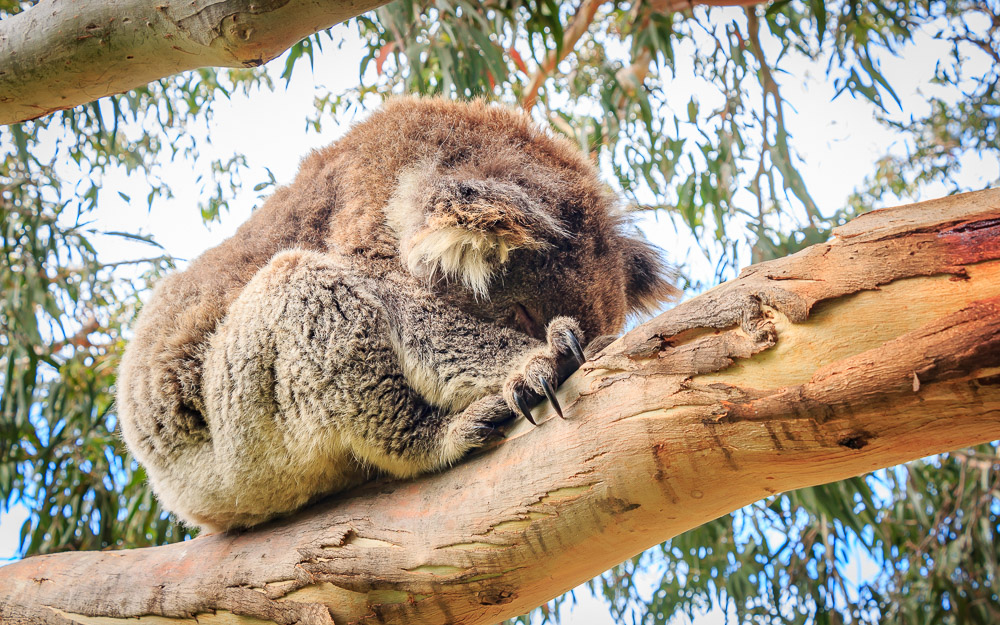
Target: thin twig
571, 36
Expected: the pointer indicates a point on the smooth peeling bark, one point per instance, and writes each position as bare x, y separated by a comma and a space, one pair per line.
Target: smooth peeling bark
879, 347
61, 53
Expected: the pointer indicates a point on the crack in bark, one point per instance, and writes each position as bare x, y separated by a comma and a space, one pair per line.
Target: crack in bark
202, 20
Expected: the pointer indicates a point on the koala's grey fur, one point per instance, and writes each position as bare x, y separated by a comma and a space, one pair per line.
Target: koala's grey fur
380, 313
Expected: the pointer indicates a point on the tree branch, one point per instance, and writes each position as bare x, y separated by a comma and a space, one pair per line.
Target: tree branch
584, 17
56, 55
581, 22
878, 347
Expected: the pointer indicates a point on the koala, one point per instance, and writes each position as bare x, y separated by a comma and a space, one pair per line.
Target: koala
423, 280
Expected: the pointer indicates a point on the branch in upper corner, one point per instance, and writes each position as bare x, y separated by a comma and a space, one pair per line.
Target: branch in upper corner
59, 55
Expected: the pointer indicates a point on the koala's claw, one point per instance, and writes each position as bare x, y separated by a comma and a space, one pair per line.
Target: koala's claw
574, 345
544, 368
551, 394
523, 407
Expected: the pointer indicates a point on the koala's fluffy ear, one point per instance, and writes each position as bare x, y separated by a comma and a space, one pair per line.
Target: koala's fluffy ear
649, 281
464, 228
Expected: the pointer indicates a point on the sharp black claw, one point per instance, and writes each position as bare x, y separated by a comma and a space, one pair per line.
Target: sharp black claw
574, 345
551, 394
523, 407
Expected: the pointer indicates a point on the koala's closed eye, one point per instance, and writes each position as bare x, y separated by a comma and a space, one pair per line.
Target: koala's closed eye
465, 228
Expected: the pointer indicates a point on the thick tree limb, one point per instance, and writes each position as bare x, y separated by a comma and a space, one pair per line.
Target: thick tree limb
62, 53
879, 347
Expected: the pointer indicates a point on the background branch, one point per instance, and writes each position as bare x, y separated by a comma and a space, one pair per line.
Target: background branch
56, 55
581, 22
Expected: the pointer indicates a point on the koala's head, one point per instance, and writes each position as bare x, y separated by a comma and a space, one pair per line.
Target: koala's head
514, 225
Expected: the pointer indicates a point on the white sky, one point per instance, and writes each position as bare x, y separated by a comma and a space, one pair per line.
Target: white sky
837, 139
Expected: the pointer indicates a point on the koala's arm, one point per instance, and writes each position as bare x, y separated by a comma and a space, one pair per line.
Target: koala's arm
452, 358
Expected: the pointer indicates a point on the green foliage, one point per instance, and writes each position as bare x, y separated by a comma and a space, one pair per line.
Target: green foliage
722, 163
928, 530
62, 316
963, 107
64, 313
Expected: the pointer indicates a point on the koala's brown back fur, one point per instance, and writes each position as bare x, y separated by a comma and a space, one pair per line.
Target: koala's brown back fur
355, 318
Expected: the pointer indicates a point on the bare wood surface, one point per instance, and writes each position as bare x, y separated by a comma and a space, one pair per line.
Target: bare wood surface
61, 53
878, 347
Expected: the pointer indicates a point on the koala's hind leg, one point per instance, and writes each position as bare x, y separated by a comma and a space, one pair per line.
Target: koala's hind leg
304, 390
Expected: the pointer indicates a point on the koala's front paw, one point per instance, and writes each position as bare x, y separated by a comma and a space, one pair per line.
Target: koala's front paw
545, 368
475, 426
